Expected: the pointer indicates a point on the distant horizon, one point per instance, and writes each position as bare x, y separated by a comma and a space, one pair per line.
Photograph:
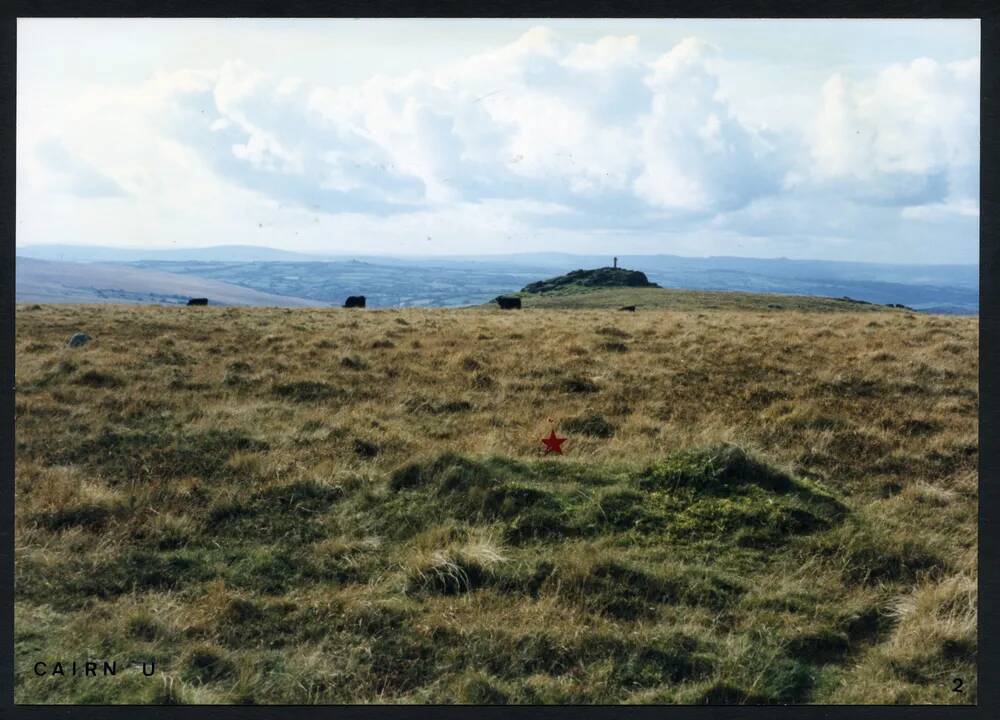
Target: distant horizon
392, 255
75, 273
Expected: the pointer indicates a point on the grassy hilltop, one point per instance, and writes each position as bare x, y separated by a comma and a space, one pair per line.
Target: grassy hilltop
756, 504
574, 297
613, 288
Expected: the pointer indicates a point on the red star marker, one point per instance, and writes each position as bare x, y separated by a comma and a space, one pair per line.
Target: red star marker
553, 443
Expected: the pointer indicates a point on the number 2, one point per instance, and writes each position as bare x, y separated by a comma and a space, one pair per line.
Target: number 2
958, 685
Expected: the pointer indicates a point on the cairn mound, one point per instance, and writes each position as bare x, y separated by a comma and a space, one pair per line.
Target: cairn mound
605, 277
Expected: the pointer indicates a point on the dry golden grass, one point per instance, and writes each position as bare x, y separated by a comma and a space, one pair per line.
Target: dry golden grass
227, 490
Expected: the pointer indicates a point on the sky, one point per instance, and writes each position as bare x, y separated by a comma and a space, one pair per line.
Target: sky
823, 139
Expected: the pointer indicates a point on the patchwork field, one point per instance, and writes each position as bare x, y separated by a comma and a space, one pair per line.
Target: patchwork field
764, 503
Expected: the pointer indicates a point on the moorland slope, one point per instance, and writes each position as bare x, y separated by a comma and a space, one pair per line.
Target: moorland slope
756, 504
47, 281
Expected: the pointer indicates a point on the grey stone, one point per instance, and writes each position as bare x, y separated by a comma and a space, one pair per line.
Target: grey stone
78, 339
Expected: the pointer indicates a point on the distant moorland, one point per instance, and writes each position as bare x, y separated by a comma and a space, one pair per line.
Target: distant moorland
469, 280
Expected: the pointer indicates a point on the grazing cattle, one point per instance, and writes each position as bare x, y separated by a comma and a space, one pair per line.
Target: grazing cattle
198, 301
355, 301
630, 308
508, 303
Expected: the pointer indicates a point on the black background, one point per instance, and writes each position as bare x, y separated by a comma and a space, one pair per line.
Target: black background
989, 419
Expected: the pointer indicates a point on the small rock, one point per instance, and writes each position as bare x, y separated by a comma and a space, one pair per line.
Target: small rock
365, 449
78, 339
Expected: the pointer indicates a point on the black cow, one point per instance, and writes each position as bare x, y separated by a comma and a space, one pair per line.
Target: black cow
355, 301
198, 301
630, 308
508, 303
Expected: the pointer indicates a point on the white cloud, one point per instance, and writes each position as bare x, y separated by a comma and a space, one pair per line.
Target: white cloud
942, 211
698, 156
535, 119
539, 137
908, 136
72, 174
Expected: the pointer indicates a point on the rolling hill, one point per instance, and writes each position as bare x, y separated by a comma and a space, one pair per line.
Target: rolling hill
443, 281
615, 288
597, 298
44, 281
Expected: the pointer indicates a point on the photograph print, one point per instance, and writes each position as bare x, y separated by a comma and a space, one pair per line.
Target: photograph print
485, 361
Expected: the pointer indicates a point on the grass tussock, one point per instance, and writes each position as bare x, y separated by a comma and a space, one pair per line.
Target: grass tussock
756, 504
